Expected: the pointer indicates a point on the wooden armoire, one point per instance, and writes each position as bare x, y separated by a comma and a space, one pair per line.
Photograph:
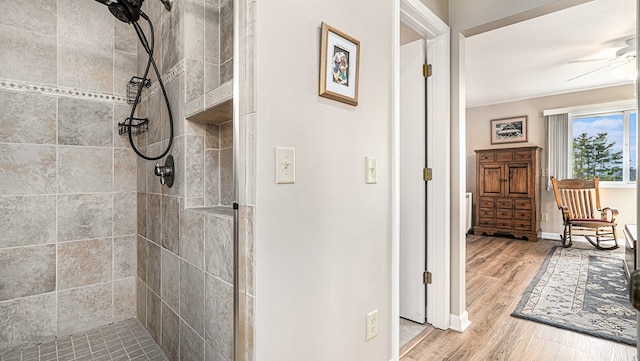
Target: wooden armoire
508, 192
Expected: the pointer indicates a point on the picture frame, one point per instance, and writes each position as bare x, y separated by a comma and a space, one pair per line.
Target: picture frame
509, 130
339, 65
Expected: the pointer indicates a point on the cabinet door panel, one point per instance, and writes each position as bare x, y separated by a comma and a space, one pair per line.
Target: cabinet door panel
518, 179
490, 180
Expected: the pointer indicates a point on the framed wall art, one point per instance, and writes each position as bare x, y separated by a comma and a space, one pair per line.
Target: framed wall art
339, 65
509, 130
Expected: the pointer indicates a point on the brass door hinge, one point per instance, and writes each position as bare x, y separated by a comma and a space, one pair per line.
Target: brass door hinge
427, 174
426, 70
426, 277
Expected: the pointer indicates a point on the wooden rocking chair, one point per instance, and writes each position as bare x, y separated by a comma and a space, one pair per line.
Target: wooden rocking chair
575, 198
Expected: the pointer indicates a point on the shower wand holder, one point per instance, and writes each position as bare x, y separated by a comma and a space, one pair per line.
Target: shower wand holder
137, 125
133, 87
166, 172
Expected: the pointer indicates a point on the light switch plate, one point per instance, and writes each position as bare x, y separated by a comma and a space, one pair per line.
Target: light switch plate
371, 170
285, 165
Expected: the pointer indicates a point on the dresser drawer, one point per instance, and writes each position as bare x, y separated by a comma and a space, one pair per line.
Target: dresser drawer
504, 203
486, 202
487, 157
522, 204
522, 225
504, 156
522, 156
504, 213
487, 222
522, 214
504, 223
486, 212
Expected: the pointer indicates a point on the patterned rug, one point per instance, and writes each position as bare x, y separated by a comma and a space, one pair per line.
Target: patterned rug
582, 290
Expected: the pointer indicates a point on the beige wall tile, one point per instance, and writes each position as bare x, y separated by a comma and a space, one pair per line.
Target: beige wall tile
27, 118
85, 122
219, 316
124, 67
192, 237
85, 21
141, 213
27, 56
124, 213
226, 176
142, 251
124, 257
212, 31
212, 177
141, 301
194, 166
194, 76
27, 271
84, 216
85, 67
125, 164
171, 280
226, 30
38, 16
84, 308
171, 223
20, 213
154, 315
85, 169
27, 320
84, 263
27, 169
219, 247
191, 344
170, 333
154, 218
226, 135
124, 299
154, 267
192, 296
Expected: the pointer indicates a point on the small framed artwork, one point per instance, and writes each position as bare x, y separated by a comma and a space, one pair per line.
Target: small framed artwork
509, 130
339, 65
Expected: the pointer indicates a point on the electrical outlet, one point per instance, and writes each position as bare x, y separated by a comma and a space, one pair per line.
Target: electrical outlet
372, 324
544, 217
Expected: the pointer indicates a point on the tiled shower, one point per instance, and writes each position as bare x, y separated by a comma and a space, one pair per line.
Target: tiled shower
88, 235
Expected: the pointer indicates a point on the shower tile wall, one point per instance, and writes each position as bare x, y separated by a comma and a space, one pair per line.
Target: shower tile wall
184, 284
68, 193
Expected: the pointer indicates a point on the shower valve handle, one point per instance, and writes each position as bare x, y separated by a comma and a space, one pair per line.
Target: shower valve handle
165, 172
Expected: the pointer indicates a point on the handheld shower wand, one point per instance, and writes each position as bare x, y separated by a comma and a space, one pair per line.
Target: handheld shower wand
130, 11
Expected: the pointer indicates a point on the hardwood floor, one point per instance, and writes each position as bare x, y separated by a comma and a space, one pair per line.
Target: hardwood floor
498, 272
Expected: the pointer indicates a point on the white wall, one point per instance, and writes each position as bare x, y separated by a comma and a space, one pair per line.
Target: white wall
322, 244
478, 137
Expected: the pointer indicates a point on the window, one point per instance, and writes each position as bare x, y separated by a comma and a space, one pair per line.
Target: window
604, 145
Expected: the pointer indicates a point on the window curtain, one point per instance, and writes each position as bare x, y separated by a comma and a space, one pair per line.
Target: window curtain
558, 147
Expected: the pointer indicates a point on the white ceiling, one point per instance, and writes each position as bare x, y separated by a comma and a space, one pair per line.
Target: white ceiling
530, 59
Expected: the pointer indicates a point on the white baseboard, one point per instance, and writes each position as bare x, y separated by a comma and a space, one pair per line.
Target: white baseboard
460, 323
558, 237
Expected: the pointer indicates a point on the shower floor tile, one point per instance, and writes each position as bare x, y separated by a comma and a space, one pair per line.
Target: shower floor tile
126, 340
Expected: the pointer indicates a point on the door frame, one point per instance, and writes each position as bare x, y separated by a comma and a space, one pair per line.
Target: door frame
437, 34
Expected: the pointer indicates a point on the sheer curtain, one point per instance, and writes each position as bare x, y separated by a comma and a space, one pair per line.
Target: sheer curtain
558, 147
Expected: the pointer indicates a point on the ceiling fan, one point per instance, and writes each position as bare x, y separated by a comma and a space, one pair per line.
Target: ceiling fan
623, 56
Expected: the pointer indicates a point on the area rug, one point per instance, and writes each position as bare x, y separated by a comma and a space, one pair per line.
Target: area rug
582, 290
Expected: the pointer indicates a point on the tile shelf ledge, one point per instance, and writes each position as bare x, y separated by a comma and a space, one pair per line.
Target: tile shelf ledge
226, 211
218, 106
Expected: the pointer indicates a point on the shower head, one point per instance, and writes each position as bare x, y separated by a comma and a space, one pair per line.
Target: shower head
127, 11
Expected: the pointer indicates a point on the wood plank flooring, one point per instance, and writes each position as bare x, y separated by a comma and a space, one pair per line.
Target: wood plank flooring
498, 272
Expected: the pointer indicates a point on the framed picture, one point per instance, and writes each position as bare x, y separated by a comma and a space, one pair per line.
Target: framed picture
339, 70
509, 130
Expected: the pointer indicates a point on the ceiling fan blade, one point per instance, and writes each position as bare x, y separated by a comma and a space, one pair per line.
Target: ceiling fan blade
592, 71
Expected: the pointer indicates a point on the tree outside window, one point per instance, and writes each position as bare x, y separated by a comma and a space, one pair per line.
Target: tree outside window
603, 145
